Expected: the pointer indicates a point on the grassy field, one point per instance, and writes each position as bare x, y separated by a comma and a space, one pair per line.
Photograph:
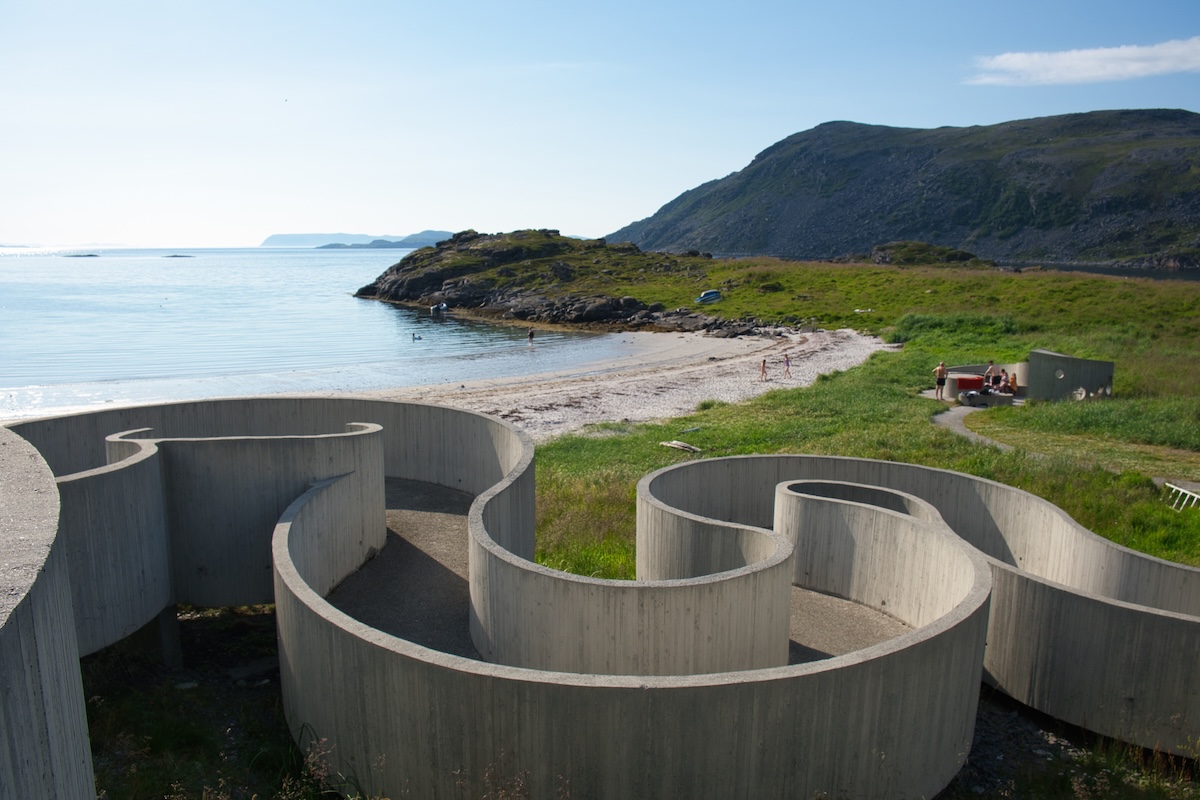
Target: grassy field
1095, 460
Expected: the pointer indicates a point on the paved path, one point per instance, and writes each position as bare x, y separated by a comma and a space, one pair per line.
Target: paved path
952, 420
416, 587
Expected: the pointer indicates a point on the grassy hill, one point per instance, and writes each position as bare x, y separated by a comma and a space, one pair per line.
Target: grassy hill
1106, 186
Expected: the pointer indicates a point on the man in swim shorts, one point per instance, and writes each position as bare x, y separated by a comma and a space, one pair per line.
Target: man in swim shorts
940, 372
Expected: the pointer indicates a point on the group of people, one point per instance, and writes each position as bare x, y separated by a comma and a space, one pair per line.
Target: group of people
994, 380
999, 380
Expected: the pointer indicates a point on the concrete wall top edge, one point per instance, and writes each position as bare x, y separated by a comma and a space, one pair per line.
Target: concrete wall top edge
134, 407
979, 369
30, 502
350, 429
866, 494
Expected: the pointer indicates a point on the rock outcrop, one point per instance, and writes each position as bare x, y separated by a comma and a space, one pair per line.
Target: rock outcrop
525, 276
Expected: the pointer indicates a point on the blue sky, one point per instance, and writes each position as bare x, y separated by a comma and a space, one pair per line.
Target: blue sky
212, 123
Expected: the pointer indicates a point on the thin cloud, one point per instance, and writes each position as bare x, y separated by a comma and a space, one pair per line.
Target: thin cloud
1097, 65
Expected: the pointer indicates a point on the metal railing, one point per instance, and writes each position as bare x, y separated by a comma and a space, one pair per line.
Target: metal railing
1181, 498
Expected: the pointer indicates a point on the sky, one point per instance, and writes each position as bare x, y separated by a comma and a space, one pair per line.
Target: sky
216, 123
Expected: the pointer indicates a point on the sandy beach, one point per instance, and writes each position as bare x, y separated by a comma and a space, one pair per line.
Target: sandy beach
666, 375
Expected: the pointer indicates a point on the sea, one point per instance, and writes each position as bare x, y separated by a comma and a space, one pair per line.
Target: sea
83, 328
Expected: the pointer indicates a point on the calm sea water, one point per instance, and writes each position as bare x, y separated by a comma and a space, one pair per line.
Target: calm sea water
152, 325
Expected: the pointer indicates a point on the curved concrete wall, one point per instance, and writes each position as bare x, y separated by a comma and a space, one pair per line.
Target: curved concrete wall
868, 724
673, 545
403, 718
522, 613
192, 492
1102, 639
883, 549
189, 520
530, 616
224, 495
114, 525
44, 748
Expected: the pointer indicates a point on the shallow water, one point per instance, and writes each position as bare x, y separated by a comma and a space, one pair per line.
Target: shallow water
88, 328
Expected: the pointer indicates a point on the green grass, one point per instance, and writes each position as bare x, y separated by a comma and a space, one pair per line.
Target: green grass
872, 411
1163, 421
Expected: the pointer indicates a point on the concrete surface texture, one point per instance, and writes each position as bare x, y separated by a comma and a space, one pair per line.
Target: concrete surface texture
587, 700
44, 748
1053, 376
1080, 628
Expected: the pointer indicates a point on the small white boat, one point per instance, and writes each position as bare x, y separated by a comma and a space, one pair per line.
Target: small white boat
438, 309
709, 296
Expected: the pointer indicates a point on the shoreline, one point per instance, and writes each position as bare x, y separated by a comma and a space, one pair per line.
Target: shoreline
661, 375
668, 375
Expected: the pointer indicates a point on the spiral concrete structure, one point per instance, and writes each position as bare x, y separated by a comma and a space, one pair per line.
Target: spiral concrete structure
677, 684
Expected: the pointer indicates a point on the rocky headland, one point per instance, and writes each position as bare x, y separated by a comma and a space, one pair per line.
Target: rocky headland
542, 277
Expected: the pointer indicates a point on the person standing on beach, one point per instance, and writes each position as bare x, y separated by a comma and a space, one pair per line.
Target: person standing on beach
531, 335
762, 373
939, 373
787, 365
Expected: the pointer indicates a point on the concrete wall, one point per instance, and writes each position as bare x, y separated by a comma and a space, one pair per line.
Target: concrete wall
224, 496
1102, 638
1087, 631
522, 614
1053, 376
850, 543
43, 728
114, 528
868, 724
673, 545
1048, 376
530, 616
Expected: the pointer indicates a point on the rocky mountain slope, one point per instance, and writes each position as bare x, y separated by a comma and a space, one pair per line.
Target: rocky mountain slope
1101, 187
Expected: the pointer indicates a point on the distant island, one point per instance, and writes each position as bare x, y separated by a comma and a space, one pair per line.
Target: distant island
355, 240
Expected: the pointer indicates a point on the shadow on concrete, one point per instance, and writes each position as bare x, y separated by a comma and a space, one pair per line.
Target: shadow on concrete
416, 587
